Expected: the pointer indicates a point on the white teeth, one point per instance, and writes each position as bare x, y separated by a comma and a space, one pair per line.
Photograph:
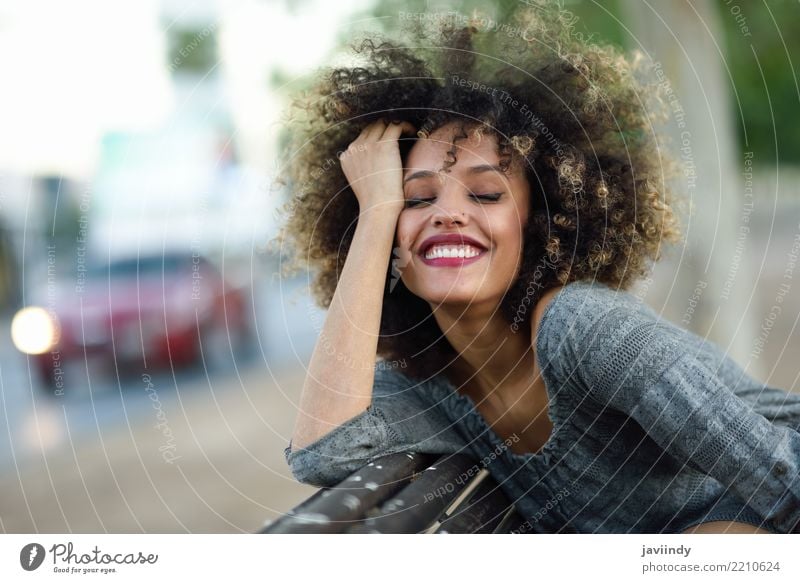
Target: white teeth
463, 251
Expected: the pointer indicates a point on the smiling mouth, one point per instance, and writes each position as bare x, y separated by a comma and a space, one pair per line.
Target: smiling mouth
451, 255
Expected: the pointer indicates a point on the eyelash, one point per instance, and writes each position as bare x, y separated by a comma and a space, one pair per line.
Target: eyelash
414, 202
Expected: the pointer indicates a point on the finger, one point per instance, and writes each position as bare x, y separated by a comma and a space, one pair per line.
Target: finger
374, 130
365, 131
394, 130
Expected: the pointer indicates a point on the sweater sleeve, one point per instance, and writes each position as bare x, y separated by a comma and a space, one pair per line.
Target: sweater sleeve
627, 358
397, 420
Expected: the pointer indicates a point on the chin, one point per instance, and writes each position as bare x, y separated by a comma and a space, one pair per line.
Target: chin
452, 294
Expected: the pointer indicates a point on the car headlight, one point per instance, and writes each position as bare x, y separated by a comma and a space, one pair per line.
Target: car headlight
34, 330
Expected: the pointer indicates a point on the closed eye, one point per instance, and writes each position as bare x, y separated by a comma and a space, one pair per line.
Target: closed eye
412, 202
492, 197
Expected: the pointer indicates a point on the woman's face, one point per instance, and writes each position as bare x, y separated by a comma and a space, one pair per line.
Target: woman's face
471, 200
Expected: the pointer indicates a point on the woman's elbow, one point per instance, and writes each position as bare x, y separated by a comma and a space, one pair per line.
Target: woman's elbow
321, 471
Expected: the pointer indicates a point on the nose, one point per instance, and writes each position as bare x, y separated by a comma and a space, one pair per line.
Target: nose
448, 214
446, 219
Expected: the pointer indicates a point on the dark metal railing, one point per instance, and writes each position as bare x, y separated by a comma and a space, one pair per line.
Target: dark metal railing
406, 493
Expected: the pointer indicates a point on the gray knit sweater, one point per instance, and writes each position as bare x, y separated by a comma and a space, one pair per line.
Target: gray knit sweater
654, 428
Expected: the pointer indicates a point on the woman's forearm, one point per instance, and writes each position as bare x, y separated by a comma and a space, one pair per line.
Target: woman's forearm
338, 385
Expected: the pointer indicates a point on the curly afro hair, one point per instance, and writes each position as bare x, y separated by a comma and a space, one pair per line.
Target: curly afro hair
575, 113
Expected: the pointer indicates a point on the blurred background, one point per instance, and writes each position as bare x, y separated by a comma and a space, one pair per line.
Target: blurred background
151, 354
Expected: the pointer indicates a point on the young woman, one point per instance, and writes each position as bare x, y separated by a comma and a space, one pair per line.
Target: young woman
476, 223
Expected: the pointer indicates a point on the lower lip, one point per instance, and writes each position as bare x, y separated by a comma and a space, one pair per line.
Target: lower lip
451, 261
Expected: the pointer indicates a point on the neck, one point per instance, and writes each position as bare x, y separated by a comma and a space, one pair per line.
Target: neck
490, 353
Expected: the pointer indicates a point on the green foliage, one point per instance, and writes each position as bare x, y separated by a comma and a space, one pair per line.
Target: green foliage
192, 50
762, 48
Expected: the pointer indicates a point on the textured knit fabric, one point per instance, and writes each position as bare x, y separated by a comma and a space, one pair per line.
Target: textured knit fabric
654, 428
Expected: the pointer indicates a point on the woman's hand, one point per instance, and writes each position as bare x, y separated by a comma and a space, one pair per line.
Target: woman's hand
373, 167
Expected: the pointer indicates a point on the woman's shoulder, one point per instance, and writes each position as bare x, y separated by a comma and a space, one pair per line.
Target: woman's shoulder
589, 317
598, 340
595, 294
582, 304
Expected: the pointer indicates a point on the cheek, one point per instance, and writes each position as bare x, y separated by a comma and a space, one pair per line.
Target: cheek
506, 232
508, 243
405, 233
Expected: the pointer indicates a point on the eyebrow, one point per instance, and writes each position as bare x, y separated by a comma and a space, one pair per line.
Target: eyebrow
473, 170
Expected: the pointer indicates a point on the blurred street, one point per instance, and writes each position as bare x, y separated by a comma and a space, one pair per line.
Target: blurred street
94, 462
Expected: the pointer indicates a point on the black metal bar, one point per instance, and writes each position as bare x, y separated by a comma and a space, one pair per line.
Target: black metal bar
316, 496
419, 505
340, 507
406, 493
481, 513
512, 522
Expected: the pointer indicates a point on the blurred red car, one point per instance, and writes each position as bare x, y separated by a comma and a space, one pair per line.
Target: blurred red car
144, 312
